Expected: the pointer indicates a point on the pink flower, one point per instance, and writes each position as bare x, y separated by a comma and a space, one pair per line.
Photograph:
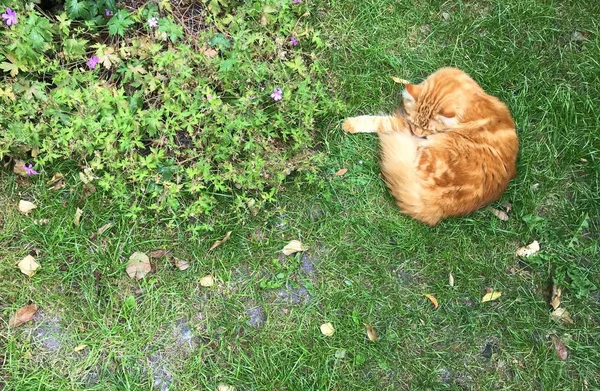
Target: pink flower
294, 41
29, 170
297, 1
153, 22
93, 61
10, 17
277, 94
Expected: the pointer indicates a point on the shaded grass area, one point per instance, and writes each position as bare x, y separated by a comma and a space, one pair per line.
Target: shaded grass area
366, 263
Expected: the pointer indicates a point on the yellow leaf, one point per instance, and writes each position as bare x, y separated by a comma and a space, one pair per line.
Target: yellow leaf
400, 81
220, 242
78, 214
493, 295
25, 207
207, 281
79, 348
371, 333
327, 329
293, 247
433, 300
28, 265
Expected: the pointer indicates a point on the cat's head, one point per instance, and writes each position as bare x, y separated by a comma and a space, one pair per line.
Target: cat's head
440, 102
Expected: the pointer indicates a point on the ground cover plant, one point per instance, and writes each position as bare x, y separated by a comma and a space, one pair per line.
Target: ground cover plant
371, 299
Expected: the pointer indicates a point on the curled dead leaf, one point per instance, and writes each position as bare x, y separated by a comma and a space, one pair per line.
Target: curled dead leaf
28, 265
294, 246
138, 266
158, 253
433, 300
207, 281
493, 295
561, 350
327, 329
87, 175
80, 347
371, 332
180, 264
77, 218
102, 229
529, 250
502, 215
23, 315
555, 299
562, 315
399, 80
341, 172
208, 51
220, 242
450, 279
507, 206
19, 168
57, 182
26, 206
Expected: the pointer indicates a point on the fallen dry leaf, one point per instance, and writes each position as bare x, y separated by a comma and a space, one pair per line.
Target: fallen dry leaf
207, 281
102, 229
79, 348
220, 242
450, 279
25, 207
293, 247
561, 350
371, 333
327, 329
41, 221
208, 51
28, 265
88, 189
493, 295
225, 387
87, 175
23, 315
528, 250
341, 172
78, 214
562, 315
399, 80
181, 264
507, 206
555, 299
433, 300
158, 253
502, 215
57, 182
19, 168
138, 266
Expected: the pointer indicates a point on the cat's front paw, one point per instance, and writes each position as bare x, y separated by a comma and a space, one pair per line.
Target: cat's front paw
350, 125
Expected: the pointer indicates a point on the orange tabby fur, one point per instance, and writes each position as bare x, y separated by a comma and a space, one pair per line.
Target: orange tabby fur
450, 152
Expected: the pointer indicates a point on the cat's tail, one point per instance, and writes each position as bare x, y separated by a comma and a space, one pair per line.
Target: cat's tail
399, 157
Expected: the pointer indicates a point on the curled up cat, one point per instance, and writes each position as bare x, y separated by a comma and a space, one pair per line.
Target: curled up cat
450, 150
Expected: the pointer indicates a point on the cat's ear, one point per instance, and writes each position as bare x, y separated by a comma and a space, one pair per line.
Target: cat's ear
411, 91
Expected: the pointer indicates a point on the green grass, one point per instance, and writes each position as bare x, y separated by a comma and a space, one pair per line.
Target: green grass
371, 264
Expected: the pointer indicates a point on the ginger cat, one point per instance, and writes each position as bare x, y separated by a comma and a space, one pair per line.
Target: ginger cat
450, 151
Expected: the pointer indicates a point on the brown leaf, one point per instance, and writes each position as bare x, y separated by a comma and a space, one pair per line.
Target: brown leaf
78, 214
57, 182
207, 281
294, 246
220, 242
23, 315
450, 279
19, 168
88, 189
371, 332
181, 265
562, 315
555, 299
433, 300
158, 253
208, 51
490, 296
102, 229
561, 350
26, 206
528, 250
138, 266
28, 266
502, 215
341, 172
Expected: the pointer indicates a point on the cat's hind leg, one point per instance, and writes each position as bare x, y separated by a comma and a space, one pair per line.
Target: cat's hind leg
374, 124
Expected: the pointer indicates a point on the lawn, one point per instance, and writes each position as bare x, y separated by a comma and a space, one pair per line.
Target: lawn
258, 326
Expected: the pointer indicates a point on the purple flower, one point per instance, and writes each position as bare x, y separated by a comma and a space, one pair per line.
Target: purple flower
29, 170
10, 17
297, 1
209, 97
153, 22
277, 94
294, 41
108, 12
93, 61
